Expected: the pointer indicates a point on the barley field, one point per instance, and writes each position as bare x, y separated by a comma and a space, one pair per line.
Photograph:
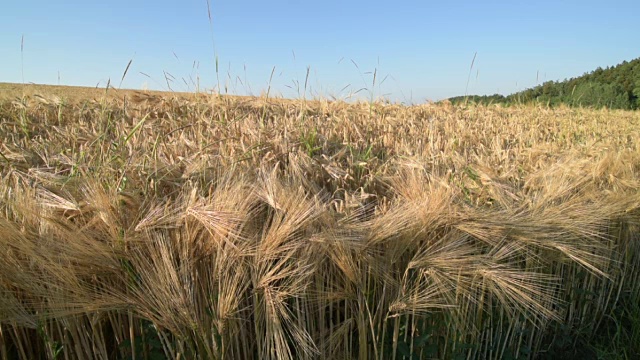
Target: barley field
191, 226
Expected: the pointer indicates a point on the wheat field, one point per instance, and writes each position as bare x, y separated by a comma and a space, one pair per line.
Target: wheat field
153, 226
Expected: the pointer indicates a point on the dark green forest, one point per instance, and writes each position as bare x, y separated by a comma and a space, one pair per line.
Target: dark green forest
616, 87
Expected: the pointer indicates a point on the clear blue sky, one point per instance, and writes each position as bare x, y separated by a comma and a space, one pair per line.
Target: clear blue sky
425, 48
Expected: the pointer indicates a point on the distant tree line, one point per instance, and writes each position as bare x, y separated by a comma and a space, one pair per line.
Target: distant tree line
616, 87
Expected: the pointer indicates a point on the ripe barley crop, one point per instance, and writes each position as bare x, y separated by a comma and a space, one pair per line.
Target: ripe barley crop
234, 228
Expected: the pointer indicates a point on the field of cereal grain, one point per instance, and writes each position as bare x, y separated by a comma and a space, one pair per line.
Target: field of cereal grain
159, 225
